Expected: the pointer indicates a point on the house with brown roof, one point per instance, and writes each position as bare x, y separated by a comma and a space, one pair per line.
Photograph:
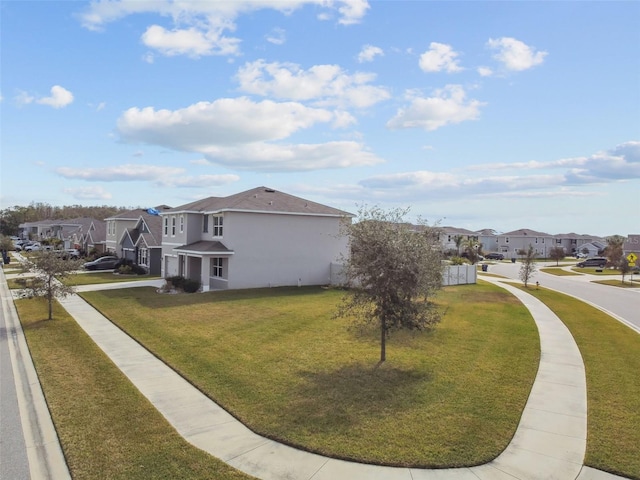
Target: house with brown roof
257, 238
510, 243
137, 236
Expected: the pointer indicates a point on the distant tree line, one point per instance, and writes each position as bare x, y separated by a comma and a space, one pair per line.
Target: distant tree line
12, 217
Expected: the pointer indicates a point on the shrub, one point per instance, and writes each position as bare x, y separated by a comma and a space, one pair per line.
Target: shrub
124, 269
191, 286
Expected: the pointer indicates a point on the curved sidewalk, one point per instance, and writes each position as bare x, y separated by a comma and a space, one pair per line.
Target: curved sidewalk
549, 443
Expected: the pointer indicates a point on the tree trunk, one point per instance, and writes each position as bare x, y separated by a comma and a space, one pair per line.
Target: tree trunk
383, 339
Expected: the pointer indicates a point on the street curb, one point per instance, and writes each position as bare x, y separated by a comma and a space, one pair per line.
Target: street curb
44, 453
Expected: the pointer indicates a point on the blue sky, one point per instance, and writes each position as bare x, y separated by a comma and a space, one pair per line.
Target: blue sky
500, 115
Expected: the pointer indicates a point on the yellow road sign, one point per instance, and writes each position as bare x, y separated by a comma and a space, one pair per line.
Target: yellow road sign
632, 257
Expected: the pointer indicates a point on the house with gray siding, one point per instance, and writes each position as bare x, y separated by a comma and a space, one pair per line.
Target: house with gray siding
253, 239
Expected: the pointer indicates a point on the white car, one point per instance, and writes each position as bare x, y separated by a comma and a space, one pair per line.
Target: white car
34, 247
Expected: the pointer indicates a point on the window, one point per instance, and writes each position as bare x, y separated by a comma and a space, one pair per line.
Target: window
166, 226
181, 223
507, 239
216, 267
217, 226
143, 255
558, 240
205, 224
536, 239
173, 226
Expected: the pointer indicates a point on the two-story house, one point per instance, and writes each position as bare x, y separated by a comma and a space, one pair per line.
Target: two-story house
137, 235
257, 238
511, 243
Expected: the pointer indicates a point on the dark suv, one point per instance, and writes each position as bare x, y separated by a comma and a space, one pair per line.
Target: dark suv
494, 256
593, 262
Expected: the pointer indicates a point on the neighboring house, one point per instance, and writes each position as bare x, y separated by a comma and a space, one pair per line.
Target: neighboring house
592, 249
632, 245
448, 236
573, 243
511, 243
136, 235
36, 230
257, 238
488, 239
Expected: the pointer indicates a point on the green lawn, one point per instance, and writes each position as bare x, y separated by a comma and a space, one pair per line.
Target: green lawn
558, 271
611, 354
105, 277
628, 283
278, 361
107, 429
592, 271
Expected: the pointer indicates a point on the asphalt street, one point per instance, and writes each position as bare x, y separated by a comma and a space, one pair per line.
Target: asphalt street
621, 302
13, 450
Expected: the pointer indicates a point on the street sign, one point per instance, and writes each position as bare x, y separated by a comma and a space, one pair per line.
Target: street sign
632, 257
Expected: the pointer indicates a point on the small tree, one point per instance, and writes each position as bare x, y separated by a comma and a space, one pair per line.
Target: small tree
624, 267
613, 251
458, 239
472, 248
393, 269
48, 268
528, 267
557, 254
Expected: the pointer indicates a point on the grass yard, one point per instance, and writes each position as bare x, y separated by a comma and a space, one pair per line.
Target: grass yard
106, 427
618, 283
611, 354
592, 271
278, 361
558, 271
105, 277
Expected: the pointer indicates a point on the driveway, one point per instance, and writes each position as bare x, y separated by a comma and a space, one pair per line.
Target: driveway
622, 303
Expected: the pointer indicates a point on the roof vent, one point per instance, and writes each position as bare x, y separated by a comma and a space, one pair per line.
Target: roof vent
270, 203
270, 190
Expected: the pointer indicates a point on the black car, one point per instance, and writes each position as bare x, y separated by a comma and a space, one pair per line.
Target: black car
494, 256
593, 262
102, 263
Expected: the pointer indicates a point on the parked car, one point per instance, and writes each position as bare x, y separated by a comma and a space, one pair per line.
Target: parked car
33, 247
581, 255
102, 263
72, 253
494, 256
593, 262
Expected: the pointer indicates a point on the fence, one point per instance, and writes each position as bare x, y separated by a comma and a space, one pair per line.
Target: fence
452, 274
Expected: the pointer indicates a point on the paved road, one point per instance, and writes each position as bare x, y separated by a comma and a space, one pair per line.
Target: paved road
623, 303
13, 451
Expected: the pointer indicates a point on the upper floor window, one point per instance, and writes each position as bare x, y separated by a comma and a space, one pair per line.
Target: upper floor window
166, 226
558, 240
217, 225
173, 226
181, 223
507, 239
205, 224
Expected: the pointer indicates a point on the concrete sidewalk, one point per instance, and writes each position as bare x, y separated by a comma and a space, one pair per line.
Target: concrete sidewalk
549, 443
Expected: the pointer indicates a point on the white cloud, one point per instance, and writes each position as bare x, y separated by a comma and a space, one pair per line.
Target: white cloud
326, 85
485, 71
88, 193
200, 181
277, 36
368, 53
617, 164
190, 41
260, 156
440, 57
514, 54
226, 121
245, 134
621, 163
201, 28
119, 173
60, 97
447, 106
